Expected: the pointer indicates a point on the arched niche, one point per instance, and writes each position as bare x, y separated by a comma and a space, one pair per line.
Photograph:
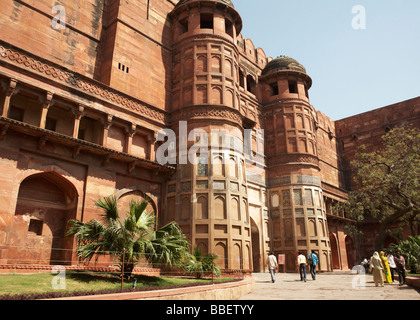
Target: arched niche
45, 203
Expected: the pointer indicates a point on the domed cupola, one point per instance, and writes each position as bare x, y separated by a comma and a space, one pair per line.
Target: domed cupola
283, 63
184, 11
182, 2
205, 53
285, 78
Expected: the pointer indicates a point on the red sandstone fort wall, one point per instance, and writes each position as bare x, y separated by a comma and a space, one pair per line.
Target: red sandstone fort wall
28, 25
368, 129
129, 47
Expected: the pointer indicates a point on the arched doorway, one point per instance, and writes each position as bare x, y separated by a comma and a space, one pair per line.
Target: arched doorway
351, 253
45, 203
124, 197
256, 252
334, 252
390, 240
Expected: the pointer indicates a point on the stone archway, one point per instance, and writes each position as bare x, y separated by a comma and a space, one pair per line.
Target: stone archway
45, 203
351, 253
390, 240
256, 251
334, 252
124, 196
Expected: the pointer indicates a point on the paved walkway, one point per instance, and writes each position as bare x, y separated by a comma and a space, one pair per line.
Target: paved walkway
327, 286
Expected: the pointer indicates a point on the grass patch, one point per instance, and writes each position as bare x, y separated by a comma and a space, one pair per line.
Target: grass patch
80, 282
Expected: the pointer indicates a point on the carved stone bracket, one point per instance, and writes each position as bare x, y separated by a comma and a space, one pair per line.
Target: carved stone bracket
3, 130
79, 111
106, 160
42, 141
132, 166
76, 151
131, 131
106, 123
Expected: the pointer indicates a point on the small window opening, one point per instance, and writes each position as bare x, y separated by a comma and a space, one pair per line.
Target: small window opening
183, 26
16, 113
241, 79
122, 67
35, 227
229, 27
51, 124
250, 84
206, 21
274, 89
293, 87
82, 134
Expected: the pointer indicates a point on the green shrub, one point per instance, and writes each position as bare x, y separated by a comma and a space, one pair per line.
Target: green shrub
410, 250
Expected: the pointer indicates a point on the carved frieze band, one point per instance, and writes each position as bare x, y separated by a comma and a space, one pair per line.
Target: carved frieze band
80, 82
207, 112
294, 158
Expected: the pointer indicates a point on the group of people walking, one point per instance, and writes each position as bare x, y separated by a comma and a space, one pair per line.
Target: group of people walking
384, 268
312, 261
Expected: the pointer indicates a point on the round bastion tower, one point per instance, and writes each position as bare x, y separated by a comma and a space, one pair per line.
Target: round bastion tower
297, 211
207, 196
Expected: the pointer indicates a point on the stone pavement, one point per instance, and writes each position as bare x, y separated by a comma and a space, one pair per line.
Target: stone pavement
327, 286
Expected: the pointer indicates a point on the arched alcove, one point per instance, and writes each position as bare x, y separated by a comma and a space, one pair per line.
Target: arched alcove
256, 250
334, 252
45, 204
351, 253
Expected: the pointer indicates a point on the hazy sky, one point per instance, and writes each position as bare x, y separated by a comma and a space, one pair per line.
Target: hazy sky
353, 70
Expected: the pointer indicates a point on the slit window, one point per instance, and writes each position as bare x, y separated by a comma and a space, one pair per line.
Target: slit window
206, 21
250, 84
293, 88
229, 27
183, 26
274, 89
241, 79
123, 68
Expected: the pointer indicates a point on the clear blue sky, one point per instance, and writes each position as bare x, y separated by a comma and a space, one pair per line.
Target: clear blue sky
353, 71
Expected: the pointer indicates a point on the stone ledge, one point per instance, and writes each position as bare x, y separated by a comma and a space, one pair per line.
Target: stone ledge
413, 282
32, 269
223, 291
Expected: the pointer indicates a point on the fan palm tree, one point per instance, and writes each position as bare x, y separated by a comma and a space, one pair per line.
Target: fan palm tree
129, 238
199, 264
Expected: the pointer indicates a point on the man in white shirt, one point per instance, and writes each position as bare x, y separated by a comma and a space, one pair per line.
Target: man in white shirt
301, 260
392, 265
272, 266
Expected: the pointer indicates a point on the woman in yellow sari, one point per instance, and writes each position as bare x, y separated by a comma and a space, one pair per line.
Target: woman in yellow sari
386, 269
